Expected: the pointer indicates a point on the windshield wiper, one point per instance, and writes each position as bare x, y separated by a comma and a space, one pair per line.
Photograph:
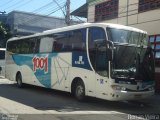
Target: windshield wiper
117, 43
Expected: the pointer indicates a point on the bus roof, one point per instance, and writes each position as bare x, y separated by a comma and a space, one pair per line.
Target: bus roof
79, 26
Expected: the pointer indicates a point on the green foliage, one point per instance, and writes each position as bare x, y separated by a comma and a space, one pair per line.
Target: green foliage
4, 34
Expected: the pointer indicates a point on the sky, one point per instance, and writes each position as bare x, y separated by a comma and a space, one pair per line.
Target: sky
44, 7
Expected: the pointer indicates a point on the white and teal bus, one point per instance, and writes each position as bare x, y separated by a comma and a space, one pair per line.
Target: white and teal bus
107, 61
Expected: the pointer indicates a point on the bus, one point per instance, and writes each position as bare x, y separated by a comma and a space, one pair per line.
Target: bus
2, 62
106, 61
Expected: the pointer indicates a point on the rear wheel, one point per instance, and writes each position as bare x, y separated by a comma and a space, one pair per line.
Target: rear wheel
80, 91
19, 80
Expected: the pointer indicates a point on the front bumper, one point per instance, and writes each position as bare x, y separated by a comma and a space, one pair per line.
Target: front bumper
125, 95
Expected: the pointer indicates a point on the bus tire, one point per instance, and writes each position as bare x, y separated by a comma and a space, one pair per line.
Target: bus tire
80, 91
19, 80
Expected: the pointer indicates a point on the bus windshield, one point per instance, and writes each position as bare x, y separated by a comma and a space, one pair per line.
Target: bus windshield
126, 36
132, 56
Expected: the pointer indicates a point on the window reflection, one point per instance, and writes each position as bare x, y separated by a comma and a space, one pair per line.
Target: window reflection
157, 54
152, 39
158, 39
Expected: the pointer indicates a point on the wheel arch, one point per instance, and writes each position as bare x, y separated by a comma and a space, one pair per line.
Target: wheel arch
18, 72
75, 81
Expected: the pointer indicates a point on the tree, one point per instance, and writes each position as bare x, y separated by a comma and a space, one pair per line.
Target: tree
4, 34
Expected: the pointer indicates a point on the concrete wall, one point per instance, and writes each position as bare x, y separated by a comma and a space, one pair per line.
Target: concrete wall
148, 21
91, 9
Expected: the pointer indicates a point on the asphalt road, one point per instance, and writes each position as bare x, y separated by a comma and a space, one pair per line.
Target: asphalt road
35, 103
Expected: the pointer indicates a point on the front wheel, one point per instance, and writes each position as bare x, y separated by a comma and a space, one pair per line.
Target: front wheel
80, 91
19, 80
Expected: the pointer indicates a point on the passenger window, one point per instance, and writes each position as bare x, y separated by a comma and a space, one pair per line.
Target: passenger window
77, 40
60, 42
69, 41
25, 46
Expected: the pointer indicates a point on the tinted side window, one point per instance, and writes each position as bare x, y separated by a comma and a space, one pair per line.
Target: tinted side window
61, 43
12, 46
78, 40
25, 46
37, 45
2, 55
69, 41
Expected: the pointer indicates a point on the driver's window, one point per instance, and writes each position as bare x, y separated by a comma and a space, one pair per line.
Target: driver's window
97, 57
95, 33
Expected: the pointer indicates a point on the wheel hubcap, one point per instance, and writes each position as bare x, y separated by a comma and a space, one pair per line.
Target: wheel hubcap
80, 91
19, 81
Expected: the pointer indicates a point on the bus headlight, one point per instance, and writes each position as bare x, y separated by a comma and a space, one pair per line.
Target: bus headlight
118, 87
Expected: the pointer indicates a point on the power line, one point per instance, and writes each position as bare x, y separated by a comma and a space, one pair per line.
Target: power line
6, 3
23, 4
48, 10
59, 7
67, 13
47, 7
51, 9
37, 18
42, 7
79, 19
20, 1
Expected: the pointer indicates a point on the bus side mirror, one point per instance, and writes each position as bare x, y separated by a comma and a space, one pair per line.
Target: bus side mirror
99, 42
109, 54
110, 49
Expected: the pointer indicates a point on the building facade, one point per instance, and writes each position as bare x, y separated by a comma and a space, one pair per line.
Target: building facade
3, 17
142, 14
24, 23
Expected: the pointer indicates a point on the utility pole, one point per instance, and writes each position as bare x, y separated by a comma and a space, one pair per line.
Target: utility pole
67, 17
66, 13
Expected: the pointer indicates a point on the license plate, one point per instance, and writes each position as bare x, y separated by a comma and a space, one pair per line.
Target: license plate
138, 96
